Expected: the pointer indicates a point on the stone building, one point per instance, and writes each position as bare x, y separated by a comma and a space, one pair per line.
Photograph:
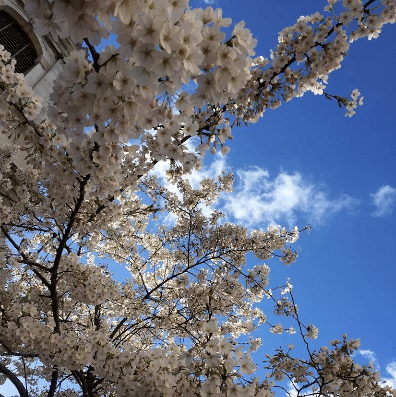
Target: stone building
39, 58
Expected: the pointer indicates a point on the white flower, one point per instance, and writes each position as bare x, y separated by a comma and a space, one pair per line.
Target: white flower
190, 128
355, 94
312, 332
124, 10
246, 366
149, 28
276, 329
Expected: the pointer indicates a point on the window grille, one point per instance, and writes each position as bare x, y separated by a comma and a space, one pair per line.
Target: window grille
16, 42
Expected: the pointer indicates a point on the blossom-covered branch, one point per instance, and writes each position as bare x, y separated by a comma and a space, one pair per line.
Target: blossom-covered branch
87, 201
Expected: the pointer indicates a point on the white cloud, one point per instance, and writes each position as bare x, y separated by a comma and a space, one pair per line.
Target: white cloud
216, 167
384, 199
292, 392
370, 357
391, 370
261, 199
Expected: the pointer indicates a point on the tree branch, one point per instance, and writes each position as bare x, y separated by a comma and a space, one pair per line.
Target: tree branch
95, 55
14, 380
26, 260
54, 381
97, 317
59, 251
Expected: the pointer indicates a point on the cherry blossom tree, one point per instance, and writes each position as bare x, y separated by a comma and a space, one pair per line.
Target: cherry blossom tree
181, 323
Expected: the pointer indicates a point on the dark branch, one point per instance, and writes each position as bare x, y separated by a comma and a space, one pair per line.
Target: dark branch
14, 380
59, 251
54, 381
26, 260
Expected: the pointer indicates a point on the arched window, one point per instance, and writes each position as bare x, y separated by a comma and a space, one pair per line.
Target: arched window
17, 42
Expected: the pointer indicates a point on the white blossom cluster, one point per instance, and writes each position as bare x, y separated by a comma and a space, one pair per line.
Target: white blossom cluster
178, 324
15, 97
326, 372
174, 327
174, 75
189, 282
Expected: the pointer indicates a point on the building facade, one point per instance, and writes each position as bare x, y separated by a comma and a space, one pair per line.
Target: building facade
39, 58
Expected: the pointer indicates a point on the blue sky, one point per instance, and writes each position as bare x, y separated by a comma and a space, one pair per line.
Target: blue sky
306, 163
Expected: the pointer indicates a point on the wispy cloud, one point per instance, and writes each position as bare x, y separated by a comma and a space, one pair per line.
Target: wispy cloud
370, 357
292, 392
260, 198
216, 167
384, 199
390, 369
